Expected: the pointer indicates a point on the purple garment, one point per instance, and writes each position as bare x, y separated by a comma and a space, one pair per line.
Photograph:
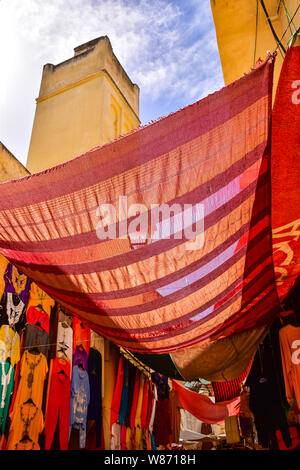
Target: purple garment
80, 356
162, 385
10, 284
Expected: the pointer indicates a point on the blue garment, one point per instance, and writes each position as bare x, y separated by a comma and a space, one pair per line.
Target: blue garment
79, 401
125, 396
153, 444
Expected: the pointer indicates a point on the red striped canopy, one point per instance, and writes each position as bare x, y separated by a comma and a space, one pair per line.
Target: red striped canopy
209, 165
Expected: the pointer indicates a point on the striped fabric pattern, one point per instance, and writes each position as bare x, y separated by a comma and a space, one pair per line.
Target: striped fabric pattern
229, 389
161, 295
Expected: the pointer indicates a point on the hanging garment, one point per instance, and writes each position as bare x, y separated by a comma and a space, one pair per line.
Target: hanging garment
64, 317
162, 385
203, 408
40, 299
116, 400
175, 415
81, 335
27, 445
34, 336
58, 403
7, 374
145, 404
80, 357
38, 317
95, 380
115, 443
3, 267
123, 445
153, 409
138, 442
64, 347
126, 434
290, 353
245, 403
14, 313
131, 382
33, 372
124, 396
266, 396
162, 423
26, 420
80, 398
173, 291
9, 344
131, 434
285, 171
17, 369
17, 283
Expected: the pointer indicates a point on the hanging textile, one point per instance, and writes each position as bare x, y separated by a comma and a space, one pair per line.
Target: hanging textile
203, 408
38, 298
79, 402
33, 372
95, 379
225, 359
208, 165
35, 336
17, 283
289, 337
227, 390
9, 344
64, 339
27, 423
7, 375
81, 335
285, 170
58, 409
175, 415
267, 392
13, 312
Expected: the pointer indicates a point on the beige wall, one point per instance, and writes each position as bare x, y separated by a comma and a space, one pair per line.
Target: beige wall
10, 167
84, 102
235, 24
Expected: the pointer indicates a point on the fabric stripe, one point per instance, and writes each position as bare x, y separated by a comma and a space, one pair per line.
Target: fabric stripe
157, 145
163, 295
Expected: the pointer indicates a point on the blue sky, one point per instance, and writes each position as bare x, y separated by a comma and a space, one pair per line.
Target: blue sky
167, 47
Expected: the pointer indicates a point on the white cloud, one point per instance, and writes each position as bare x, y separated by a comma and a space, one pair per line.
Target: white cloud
167, 47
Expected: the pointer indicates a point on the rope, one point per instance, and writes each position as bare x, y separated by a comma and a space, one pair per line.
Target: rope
289, 26
288, 16
255, 42
272, 29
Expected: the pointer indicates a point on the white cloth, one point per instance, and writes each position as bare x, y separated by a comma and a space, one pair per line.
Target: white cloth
64, 346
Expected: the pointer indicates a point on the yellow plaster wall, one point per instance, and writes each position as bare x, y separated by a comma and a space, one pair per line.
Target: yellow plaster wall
10, 167
235, 25
74, 111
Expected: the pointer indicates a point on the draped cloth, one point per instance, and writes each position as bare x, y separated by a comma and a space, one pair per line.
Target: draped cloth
201, 271
203, 408
285, 169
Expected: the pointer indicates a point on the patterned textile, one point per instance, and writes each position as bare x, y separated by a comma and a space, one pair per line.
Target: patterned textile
203, 408
224, 391
285, 169
175, 284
